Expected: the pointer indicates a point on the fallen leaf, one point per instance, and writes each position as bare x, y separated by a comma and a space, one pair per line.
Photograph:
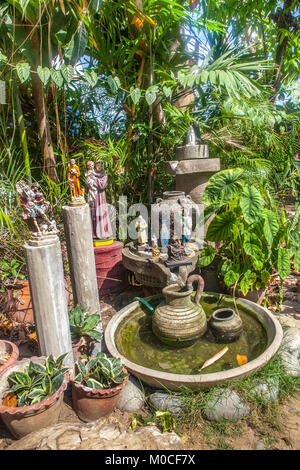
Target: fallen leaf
241, 359
10, 400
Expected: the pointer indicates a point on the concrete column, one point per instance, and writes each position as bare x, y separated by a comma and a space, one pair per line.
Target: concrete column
78, 231
47, 288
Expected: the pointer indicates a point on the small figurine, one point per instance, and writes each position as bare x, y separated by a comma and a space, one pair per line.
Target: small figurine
176, 252
34, 211
141, 226
155, 249
95, 184
187, 229
73, 181
164, 236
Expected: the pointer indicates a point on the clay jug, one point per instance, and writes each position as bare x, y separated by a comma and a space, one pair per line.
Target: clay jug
225, 325
179, 320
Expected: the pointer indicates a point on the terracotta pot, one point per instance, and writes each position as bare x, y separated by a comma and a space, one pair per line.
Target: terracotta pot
226, 325
23, 420
24, 311
12, 350
91, 404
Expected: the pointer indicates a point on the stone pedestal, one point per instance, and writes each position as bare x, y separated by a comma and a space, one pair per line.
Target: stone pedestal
47, 288
78, 231
193, 169
192, 175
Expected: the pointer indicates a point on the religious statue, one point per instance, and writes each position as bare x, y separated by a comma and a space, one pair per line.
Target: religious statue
34, 208
73, 181
187, 229
176, 252
141, 226
155, 249
95, 184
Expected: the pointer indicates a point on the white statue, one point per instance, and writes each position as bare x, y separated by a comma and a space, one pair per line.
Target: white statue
142, 226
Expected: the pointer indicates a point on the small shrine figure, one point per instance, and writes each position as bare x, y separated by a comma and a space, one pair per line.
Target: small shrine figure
142, 228
34, 208
187, 222
73, 181
155, 249
95, 184
176, 252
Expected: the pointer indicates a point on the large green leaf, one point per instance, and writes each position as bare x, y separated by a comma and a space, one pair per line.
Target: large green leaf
271, 225
23, 71
91, 77
221, 227
151, 94
207, 256
223, 186
114, 83
43, 73
231, 277
77, 45
135, 94
57, 77
252, 246
252, 204
283, 263
67, 72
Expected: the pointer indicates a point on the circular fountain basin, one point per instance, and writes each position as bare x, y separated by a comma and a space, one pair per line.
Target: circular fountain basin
129, 336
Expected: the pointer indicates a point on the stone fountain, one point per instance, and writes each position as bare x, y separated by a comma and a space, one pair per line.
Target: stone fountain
182, 338
130, 335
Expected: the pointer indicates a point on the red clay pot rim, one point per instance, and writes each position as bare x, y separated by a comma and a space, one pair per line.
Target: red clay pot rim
13, 356
106, 392
10, 410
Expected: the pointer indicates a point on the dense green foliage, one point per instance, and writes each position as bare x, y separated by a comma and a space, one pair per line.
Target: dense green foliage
82, 323
257, 238
38, 381
100, 372
123, 81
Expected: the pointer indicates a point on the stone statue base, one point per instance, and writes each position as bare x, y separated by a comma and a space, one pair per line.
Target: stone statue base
104, 242
77, 201
42, 239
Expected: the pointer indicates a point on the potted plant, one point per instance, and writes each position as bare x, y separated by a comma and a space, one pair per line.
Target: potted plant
255, 238
97, 386
9, 354
31, 393
83, 331
18, 302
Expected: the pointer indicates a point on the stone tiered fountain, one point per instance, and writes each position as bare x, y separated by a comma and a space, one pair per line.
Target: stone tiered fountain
167, 346
182, 338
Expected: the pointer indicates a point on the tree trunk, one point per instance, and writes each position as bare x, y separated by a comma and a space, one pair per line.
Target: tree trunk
42, 118
22, 129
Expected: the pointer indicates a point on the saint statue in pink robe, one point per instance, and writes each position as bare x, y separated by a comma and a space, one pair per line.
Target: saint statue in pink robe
95, 184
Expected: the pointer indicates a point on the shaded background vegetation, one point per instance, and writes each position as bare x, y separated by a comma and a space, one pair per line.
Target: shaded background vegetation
122, 81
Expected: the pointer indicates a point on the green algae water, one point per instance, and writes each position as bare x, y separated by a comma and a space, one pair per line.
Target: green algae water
135, 340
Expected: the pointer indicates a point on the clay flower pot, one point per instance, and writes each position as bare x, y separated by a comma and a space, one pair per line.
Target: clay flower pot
26, 419
12, 350
91, 404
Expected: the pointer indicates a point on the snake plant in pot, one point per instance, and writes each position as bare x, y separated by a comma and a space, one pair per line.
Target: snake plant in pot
97, 386
83, 331
31, 393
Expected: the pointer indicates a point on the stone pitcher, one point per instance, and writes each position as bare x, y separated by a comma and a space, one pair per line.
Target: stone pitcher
179, 320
